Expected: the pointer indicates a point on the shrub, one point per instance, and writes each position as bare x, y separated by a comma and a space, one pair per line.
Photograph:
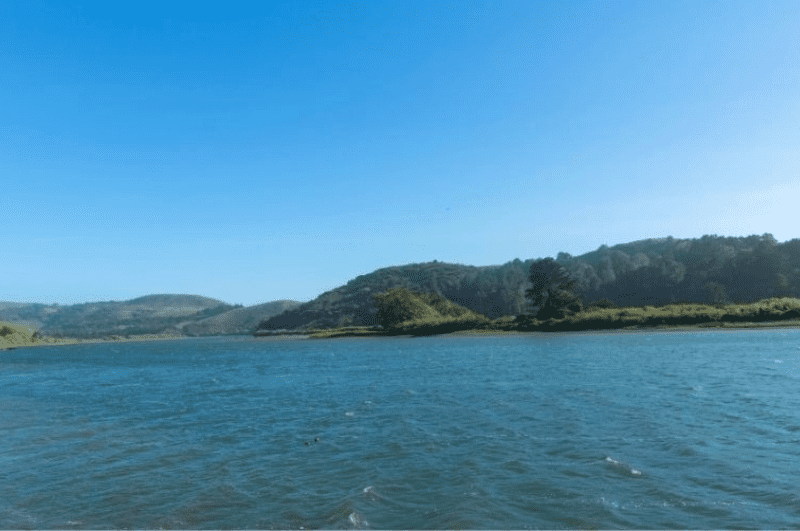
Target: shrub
6, 331
398, 305
602, 303
404, 309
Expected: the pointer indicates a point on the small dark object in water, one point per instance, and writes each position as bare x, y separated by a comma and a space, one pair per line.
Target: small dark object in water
316, 439
306, 443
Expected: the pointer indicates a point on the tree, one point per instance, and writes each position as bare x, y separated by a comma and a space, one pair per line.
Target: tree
717, 293
552, 294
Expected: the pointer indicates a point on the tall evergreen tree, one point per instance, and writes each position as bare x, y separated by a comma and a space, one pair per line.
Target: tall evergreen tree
552, 294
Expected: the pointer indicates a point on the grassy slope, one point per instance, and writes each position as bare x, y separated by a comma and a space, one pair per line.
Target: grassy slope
19, 335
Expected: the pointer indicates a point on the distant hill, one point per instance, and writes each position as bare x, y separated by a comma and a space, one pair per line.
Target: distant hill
237, 321
174, 301
151, 314
645, 272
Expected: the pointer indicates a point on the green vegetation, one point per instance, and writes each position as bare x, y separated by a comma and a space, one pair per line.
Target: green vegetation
420, 315
553, 291
704, 315
103, 319
13, 335
402, 311
601, 303
708, 270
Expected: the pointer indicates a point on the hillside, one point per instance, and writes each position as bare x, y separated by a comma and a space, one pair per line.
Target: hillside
151, 314
237, 321
14, 335
711, 269
489, 290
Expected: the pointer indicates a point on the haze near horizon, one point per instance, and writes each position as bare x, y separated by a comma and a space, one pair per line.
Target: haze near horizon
252, 152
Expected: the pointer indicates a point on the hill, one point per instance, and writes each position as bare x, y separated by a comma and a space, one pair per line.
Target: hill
152, 314
489, 290
13, 335
237, 321
711, 269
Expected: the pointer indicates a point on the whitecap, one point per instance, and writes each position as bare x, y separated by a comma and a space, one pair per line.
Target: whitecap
625, 466
609, 502
349, 414
370, 494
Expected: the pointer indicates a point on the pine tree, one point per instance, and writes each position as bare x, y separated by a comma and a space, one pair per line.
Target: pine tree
552, 294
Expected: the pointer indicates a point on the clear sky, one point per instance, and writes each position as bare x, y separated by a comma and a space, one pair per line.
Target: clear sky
254, 151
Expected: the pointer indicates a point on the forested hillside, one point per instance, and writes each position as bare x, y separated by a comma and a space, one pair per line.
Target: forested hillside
490, 290
710, 269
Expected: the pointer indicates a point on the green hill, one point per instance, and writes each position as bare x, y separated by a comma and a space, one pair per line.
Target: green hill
13, 335
655, 272
401, 310
171, 314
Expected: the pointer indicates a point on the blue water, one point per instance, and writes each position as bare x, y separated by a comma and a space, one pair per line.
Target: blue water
599, 430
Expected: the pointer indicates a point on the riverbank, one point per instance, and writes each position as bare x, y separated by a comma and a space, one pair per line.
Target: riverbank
337, 333
767, 313
13, 336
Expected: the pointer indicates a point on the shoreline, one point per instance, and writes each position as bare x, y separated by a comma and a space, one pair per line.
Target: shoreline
74, 341
730, 325
658, 328
335, 334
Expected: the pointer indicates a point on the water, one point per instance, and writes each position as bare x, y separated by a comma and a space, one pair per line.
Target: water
603, 430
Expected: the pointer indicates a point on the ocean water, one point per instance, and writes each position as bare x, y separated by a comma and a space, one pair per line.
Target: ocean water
597, 430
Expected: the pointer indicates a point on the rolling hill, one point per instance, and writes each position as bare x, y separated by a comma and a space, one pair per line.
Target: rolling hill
191, 315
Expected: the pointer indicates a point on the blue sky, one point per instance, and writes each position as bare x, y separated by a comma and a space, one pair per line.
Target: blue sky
275, 150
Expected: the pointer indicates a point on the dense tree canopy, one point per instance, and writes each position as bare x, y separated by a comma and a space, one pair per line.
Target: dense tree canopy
552, 293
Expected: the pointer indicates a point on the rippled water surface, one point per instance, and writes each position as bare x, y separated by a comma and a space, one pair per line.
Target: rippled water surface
603, 430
